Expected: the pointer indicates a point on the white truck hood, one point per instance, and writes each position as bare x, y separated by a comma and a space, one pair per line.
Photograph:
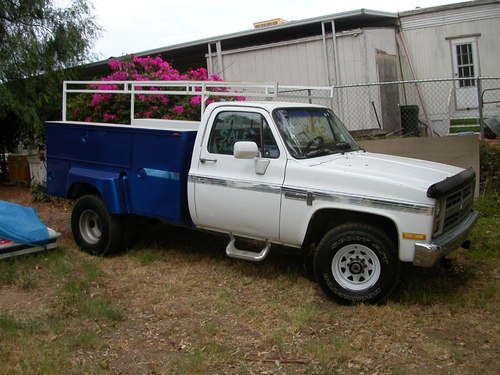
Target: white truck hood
370, 174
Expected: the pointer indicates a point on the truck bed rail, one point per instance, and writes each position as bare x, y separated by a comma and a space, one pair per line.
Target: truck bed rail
205, 89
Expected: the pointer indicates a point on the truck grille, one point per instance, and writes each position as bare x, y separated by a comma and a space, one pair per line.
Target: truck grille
457, 206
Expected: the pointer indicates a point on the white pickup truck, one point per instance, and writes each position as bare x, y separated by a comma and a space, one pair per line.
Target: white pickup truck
277, 173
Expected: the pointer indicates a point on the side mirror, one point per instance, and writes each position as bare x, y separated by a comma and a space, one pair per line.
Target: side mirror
245, 150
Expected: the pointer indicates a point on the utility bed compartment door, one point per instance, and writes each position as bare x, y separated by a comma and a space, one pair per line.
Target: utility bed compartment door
158, 175
229, 195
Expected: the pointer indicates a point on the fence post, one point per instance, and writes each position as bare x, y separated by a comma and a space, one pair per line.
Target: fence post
480, 106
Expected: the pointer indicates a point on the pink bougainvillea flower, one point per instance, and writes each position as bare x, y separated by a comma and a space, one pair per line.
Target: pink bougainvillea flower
196, 100
178, 109
96, 100
109, 117
115, 64
215, 77
119, 76
106, 107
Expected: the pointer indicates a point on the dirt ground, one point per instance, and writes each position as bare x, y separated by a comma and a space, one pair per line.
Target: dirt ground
175, 304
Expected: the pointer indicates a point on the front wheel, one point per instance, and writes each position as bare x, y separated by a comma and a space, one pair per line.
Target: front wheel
94, 229
356, 263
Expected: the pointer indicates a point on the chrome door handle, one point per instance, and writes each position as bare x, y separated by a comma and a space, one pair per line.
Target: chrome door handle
204, 160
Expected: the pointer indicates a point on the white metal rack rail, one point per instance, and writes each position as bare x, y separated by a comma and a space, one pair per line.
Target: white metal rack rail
205, 89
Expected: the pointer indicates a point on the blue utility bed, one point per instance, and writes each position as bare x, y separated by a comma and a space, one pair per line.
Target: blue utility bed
137, 169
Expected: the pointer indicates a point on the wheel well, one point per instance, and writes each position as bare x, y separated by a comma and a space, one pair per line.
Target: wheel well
78, 190
324, 220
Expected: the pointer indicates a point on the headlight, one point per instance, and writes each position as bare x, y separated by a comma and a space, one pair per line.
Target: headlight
437, 216
437, 209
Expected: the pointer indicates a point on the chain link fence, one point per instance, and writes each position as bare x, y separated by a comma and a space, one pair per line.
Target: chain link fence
435, 107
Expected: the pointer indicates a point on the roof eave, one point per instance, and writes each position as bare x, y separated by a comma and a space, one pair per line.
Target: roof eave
328, 17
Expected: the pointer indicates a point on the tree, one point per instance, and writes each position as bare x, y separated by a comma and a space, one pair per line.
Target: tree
39, 44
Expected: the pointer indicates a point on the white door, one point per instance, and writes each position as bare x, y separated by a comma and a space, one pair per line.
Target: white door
229, 194
465, 67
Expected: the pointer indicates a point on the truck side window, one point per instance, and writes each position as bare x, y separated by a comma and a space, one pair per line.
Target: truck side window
231, 127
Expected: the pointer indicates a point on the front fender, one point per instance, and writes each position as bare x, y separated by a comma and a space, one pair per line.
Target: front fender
293, 231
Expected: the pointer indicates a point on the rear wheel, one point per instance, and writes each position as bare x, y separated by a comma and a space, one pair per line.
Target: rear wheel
94, 229
356, 263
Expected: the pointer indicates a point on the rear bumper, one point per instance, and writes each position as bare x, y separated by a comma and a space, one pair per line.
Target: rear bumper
427, 254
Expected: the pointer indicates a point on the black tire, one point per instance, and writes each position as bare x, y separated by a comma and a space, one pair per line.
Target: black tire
356, 279
90, 211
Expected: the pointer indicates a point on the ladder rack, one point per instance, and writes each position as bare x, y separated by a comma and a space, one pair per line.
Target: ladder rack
205, 89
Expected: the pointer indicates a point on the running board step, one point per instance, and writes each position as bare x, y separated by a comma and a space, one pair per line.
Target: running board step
233, 252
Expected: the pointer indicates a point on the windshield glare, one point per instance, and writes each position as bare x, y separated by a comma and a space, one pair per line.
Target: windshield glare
313, 132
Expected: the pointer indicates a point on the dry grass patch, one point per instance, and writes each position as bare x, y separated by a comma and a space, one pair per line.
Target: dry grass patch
176, 304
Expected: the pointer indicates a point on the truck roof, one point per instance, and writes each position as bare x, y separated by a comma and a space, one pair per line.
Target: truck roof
267, 105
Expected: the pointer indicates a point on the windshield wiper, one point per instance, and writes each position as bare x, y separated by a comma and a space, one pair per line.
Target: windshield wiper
342, 146
318, 152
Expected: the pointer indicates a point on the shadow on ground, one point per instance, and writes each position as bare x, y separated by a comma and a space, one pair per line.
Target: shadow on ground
420, 286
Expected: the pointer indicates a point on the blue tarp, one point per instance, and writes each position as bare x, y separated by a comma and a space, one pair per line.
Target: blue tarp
21, 224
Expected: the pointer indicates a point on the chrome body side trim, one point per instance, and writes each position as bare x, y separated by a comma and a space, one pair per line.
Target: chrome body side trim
427, 254
236, 184
360, 200
309, 196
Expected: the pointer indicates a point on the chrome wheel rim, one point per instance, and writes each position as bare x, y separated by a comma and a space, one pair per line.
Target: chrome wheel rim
356, 267
90, 227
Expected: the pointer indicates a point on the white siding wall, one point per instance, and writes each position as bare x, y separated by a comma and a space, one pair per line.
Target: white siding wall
301, 62
428, 38
357, 55
297, 62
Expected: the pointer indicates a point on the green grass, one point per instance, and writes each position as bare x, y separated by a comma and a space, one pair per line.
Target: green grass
460, 125
191, 363
79, 299
302, 316
86, 340
100, 308
455, 130
212, 327
485, 236
146, 256
44, 338
329, 352
9, 325
464, 121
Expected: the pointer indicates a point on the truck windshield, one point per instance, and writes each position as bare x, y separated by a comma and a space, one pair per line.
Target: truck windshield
312, 132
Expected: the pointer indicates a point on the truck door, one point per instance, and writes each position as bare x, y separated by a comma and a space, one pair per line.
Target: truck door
229, 194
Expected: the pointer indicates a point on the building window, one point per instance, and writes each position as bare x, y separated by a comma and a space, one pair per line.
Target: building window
465, 64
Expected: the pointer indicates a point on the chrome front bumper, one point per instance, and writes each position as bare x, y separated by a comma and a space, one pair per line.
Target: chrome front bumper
427, 254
